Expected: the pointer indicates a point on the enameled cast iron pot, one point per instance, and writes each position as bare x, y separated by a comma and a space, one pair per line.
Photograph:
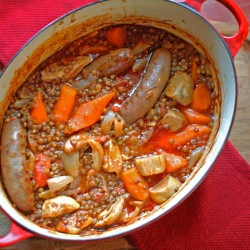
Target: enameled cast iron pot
178, 18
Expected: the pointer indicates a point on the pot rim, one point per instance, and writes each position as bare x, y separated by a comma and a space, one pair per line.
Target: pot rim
175, 201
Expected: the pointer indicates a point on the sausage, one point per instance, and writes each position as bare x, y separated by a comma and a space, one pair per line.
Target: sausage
147, 91
115, 62
13, 157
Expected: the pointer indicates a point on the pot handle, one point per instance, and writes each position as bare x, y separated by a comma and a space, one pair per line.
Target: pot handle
235, 41
15, 235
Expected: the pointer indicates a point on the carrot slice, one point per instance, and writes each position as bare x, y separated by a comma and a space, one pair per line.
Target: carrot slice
116, 36
135, 184
174, 162
65, 104
38, 110
189, 133
201, 98
163, 139
195, 117
41, 170
88, 113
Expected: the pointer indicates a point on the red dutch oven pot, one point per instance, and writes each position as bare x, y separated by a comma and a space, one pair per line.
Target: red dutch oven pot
184, 20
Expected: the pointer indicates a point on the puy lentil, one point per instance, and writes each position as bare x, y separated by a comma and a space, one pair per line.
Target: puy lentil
99, 188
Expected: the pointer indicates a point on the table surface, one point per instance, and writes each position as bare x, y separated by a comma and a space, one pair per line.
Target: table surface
240, 137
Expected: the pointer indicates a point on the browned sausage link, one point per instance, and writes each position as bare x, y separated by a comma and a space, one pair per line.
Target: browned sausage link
13, 156
117, 61
146, 93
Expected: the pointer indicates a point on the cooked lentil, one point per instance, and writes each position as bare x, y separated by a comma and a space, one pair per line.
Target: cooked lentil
98, 189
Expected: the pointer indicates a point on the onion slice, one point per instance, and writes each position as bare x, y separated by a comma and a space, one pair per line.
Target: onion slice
112, 157
58, 183
47, 194
195, 156
97, 153
107, 122
71, 163
118, 125
141, 46
76, 182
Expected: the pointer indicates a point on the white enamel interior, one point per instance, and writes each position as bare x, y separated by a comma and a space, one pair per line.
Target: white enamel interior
169, 12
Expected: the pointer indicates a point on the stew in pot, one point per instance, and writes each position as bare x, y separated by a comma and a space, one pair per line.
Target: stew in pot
107, 129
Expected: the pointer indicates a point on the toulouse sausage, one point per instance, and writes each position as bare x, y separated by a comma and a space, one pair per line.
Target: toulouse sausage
13, 157
115, 62
147, 91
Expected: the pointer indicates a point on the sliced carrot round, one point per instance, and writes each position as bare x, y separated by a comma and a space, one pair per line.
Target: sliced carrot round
116, 36
135, 184
65, 104
38, 110
195, 117
201, 98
